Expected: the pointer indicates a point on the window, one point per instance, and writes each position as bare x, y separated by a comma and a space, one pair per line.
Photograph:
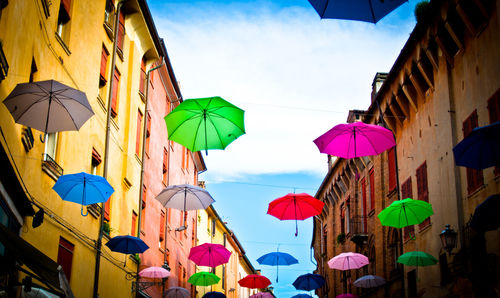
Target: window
213, 227
134, 222
138, 134
347, 215
494, 112
143, 210
49, 165
372, 190
63, 20
474, 177
104, 65
162, 229
108, 13
342, 219
4, 66
406, 192
142, 79
121, 33
65, 256
148, 132
423, 190
365, 207
391, 156
94, 209
325, 238
223, 277
165, 166
33, 70
51, 144
114, 94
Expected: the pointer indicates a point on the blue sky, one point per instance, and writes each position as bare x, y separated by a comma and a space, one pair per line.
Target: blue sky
296, 76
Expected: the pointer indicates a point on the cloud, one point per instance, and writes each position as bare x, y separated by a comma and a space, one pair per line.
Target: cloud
295, 75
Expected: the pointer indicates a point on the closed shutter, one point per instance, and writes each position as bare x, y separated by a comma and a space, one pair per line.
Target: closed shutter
65, 256
392, 168
372, 190
142, 76
114, 93
134, 222
474, 177
365, 207
423, 190
494, 112
104, 63
138, 134
162, 226
107, 208
407, 192
121, 31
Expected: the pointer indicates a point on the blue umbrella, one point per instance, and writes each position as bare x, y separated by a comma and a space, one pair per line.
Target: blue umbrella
83, 188
214, 295
367, 11
302, 296
127, 245
276, 259
309, 282
480, 149
485, 216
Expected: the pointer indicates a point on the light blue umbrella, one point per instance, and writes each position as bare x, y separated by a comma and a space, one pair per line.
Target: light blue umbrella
83, 188
276, 259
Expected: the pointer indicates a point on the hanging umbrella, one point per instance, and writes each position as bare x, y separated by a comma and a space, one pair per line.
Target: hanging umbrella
405, 213
205, 123
417, 258
480, 149
48, 106
254, 281
262, 295
295, 207
348, 260
127, 245
214, 295
369, 281
276, 259
203, 279
367, 11
177, 292
154, 272
309, 282
485, 216
355, 140
347, 295
83, 188
301, 296
209, 254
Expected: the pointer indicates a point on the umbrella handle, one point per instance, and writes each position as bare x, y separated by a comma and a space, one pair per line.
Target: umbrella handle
81, 211
296, 228
42, 138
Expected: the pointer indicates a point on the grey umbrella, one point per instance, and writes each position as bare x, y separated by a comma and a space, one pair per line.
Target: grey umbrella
177, 292
48, 106
185, 197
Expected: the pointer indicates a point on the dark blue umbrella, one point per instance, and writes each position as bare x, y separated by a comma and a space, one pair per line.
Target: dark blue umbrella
83, 188
214, 295
485, 216
367, 11
127, 244
480, 149
276, 259
309, 282
302, 296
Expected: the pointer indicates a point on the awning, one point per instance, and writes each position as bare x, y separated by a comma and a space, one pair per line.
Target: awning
43, 267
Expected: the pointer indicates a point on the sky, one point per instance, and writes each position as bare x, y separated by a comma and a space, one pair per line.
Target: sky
296, 76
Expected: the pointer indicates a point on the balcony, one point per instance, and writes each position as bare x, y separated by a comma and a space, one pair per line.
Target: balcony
50, 166
357, 229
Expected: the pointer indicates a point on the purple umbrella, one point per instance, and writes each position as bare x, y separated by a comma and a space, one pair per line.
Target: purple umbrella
355, 140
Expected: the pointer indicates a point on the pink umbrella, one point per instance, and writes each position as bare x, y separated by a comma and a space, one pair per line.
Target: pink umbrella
347, 295
262, 295
355, 140
348, 260
154, 272
209, 254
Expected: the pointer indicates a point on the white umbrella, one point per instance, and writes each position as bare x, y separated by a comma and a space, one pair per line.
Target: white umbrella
369, 281
154, 272
185, 197
177, 292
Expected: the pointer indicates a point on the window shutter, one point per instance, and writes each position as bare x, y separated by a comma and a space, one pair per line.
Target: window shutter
148, 127
162, 226
121, 31
104, 62
365, 207
134, 221
114, 98
106, 209
65, 256
474, 177
66, 4
142, 76
422, 190
392, 168
494, 112
165, 160
138, 134
372, 190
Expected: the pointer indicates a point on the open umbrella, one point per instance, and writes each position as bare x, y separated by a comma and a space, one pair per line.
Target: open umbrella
355, 140
276, 259
301, 296
205, 123
295, 207
254, 281
83, 188
154, 272
209, 254
369, 281
348, 261
214, 294
309, 282
485, 217
417, 258
480, 149
262, 295
203, 279
405, 213
347, 295
127, 245
177, 292
48, 106
367, 11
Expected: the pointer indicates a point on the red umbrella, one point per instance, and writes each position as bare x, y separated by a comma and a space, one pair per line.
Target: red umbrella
254, 281
209, 254
295, 206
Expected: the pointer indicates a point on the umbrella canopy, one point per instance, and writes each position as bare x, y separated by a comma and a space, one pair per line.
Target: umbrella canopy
83, 188
209, 254
154, 272
262, 295
301, 296
127, 244
355, 140
347, 295
214, 295
367, 11
185, 197
276, 259
48, 106
405, 213
254, 281
485, 216
177, 292
348, 260
309, 282
203, 279
295, 207
205, 123
417, 258
480, 149
369, 281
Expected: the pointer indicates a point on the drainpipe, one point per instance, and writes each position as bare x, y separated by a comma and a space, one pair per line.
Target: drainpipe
106, 151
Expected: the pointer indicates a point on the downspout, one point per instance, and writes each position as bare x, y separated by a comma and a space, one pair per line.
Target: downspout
106, 151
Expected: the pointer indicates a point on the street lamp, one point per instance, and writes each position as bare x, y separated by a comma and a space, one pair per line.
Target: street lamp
448, 239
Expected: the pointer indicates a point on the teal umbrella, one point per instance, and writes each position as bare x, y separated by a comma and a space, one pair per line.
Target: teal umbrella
205, 123
417, 258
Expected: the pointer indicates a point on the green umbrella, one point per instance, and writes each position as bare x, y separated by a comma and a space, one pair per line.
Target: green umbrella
203, 279
417, 258
405, 213
205, 123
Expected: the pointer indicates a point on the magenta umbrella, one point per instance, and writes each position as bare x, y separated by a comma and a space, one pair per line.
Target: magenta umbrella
209, 254
348, 260
154, 272
262, 295
355, 140
347, 295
